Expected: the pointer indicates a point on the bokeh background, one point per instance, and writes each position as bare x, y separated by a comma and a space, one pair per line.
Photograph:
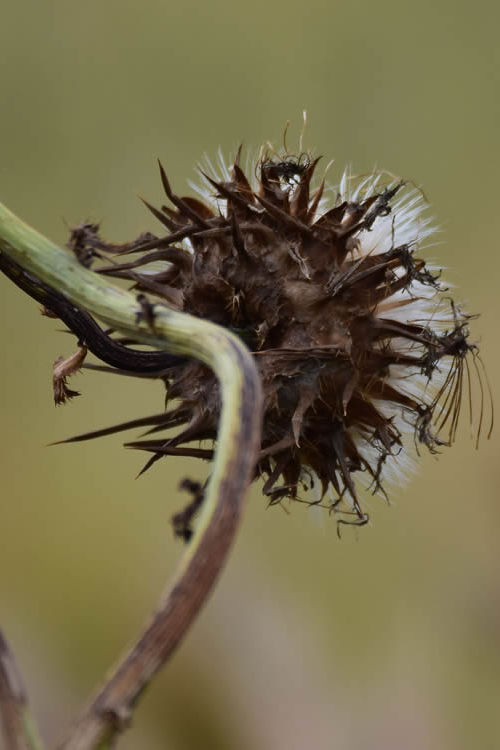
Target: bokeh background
389, 638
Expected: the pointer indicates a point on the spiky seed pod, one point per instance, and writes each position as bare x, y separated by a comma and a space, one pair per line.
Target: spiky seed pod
355, 344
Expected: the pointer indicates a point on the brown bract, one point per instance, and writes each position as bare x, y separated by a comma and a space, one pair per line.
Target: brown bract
292, 278
62, 370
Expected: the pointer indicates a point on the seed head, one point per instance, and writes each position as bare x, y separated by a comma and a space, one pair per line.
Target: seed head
357, 345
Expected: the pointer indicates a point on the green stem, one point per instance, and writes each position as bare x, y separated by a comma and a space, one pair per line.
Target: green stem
232, 470
19, 729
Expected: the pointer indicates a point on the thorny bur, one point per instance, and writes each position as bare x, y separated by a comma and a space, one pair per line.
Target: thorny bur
360, 350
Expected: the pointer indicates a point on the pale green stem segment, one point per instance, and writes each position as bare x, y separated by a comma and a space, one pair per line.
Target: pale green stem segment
238, 443
19, 730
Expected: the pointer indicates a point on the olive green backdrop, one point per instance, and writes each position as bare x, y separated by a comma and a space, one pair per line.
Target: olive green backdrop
387, 639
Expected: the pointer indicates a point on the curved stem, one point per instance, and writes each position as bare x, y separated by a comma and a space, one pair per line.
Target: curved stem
238, 441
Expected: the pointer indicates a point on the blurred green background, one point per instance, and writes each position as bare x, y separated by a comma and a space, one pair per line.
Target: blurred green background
389, 638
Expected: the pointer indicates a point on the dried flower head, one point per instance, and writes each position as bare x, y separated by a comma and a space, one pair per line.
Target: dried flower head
356, 344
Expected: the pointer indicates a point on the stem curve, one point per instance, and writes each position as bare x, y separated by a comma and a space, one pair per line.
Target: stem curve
238, 442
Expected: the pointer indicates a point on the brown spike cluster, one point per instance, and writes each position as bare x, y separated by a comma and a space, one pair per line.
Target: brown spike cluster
345, 323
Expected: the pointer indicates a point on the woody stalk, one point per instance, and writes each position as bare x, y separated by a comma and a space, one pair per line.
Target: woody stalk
51, 274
